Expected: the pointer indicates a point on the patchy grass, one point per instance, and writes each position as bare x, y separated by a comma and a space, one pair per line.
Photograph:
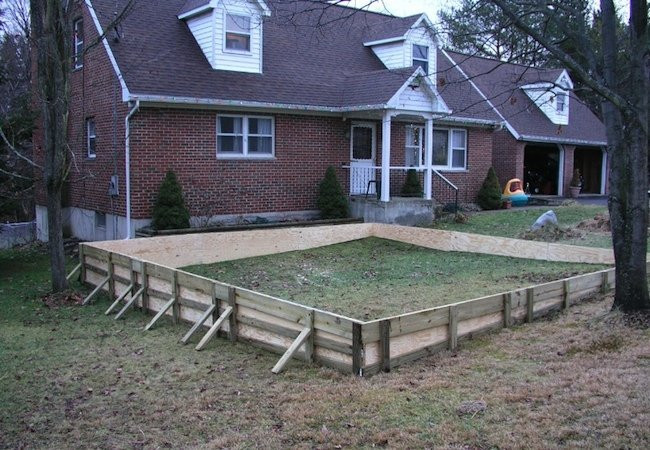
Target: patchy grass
373, 278
516, 223
72, 377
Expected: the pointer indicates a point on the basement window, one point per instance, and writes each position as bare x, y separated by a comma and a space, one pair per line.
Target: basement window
238, 33
78, 49
245, 136
100, 220
91, 138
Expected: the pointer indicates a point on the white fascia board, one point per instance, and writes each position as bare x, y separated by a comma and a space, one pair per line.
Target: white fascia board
530, 138
540, 85
264, 7
432, 88
565, 74
125, 90
196, 11
384, 41
510, 128
424, 18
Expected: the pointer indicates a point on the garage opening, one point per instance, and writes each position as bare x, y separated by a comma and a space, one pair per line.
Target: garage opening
589, 161
541, 169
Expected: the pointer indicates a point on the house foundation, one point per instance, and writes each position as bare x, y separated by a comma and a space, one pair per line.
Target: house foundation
399, 210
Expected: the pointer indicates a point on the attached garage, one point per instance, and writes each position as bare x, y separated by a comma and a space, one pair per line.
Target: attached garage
542, 166
591, 163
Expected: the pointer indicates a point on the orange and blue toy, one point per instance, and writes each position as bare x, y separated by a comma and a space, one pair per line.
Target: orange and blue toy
515, 193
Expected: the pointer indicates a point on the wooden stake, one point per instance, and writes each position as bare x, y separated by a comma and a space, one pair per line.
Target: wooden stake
82, 261
162, 312
357, 350
111, 280
302, 337
530, 303
130, 302
201, 321
211, 332
566, 291
145, 286
309, 344
75, 270
119, 299
384, 344
176, 310
507, 310
604, 287
232, 302
96, 290
453, 328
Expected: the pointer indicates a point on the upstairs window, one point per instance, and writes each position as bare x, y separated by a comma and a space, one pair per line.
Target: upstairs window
245, 136
78, 30
91, 138
238, 33
560, 103
421, 57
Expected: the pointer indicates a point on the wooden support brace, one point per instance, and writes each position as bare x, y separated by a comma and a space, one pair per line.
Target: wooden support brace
453, 328
302, 337
232, 303
201, 321
530, 303
309, 344
604, 287
357, 350
131, 302
82, 260
96, 290
384, 344
507, 310
212, 331
176, 309
566, 292
75, 270
145, 287
119, 299
160, 313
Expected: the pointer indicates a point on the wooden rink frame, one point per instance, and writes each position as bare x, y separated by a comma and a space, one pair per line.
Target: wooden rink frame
145, 273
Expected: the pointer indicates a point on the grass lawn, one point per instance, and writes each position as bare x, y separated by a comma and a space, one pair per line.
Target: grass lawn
515, 223
74, 378
373, 278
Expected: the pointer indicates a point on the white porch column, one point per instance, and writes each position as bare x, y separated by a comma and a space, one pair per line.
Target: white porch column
385, 156
428, 160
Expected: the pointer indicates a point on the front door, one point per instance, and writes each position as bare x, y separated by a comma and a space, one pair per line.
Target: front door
362, 158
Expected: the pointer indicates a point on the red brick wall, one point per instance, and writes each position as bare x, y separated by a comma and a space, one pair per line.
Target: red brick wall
94, 92
508, 157
185, 141
568, 168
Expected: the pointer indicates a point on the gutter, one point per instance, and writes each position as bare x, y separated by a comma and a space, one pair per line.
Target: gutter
127, 165
529, 138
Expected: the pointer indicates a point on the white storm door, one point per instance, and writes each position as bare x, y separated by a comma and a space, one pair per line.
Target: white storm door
362, 158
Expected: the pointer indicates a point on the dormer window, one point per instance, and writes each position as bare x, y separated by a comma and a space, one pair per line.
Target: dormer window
238, 33
560, 103
421, 57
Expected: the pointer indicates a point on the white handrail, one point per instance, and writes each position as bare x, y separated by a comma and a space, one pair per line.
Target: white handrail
418, 169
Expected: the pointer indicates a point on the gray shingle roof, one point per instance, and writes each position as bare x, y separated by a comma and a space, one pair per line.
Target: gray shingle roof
191, 5
390, 27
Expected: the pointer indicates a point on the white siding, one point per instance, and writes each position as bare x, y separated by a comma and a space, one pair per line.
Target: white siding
201, 28
392, 55
544, 98
208, 30
421, 36
416, 99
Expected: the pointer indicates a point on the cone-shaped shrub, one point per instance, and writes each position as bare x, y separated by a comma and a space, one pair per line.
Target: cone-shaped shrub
412, 187
489, 197
332, 203
169, 211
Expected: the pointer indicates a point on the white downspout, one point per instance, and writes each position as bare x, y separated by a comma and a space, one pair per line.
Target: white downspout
127, 165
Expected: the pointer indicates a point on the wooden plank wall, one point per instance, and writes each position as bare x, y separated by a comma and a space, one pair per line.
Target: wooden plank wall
259, 319
411, 336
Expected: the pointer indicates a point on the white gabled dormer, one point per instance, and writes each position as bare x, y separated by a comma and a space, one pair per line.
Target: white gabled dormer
552, 98
229, 33
416, 47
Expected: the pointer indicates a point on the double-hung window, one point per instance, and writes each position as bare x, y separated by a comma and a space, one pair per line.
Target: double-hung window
245, 136
78, 30
414, 146
450, 149
421, 57
560, 102
238, 33
91, 138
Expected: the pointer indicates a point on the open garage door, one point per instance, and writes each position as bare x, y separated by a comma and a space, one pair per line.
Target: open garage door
542, 169
589, 161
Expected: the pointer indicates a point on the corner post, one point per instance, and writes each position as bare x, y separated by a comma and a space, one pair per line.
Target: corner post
232, 320
428, 160
357, 349
385, 156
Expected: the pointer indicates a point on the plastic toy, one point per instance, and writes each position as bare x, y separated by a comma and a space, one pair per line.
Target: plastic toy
515, 193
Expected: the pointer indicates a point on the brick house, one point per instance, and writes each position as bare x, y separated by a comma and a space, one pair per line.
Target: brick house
250, 101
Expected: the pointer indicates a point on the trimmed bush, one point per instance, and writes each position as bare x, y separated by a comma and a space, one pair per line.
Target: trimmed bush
489, 197
169, 211
412, 187
332, 202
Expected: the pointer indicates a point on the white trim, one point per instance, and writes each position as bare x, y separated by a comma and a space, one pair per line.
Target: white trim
560, 176
545, 139
385, 155
489, 102
236, 51
127, 166
245, 136
126, 95
196, 11
603, 171
373, 149
384, 41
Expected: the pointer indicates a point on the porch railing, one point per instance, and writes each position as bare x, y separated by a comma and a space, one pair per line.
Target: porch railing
366, 180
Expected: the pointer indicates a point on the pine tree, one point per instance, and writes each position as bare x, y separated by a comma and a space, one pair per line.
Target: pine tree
412, 187
332, 203
489, 197
169, 211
